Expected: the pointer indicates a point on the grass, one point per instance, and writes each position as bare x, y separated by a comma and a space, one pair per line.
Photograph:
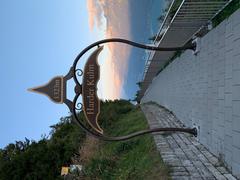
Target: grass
133, 159
175, 7
226, 12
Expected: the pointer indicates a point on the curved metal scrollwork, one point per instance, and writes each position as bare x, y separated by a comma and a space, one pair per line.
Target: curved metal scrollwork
99, 134
79, 72
78, 106
56, 90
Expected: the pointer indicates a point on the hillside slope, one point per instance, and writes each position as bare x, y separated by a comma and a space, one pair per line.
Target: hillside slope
68, 144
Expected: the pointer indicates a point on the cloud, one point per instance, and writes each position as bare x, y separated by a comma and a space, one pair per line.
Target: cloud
95, 13
111, 17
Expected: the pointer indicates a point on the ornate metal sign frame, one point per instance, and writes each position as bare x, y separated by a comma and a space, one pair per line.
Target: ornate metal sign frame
56, 90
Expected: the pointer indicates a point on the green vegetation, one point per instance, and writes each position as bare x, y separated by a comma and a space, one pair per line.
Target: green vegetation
133, 159
67, 144
226, 12
136, 98
41, 160
174, 8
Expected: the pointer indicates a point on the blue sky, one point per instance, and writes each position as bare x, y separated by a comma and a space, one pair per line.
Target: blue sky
38, 40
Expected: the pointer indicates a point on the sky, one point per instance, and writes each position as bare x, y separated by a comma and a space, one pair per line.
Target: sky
40, 39
103, 18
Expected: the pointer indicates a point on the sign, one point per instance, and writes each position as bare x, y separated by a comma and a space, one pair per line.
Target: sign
55, 90
91, 103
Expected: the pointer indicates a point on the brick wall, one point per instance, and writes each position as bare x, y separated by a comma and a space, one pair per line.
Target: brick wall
204, 90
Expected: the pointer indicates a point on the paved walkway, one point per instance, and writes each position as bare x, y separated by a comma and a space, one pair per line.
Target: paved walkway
187, 158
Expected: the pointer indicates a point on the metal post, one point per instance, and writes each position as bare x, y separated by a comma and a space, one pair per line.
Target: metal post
56, 91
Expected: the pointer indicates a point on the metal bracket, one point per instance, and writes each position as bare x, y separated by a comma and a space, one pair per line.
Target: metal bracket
56, 90
197, 43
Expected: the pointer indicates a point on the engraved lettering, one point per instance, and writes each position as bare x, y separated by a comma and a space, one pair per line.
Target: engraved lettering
57, 89
90, 98
90, 83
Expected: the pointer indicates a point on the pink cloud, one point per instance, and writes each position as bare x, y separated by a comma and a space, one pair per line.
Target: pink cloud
115, 65
95, 13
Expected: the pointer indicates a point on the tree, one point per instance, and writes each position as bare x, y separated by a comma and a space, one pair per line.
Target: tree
42, 159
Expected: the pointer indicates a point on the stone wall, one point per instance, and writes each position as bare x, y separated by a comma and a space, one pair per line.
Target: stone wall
204, 90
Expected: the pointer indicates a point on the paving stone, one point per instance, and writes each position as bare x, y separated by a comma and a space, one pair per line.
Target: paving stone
230, 177
180, 178
172, 162
191, 155
192, 170
187, 158
222, 170
169, 156
187, 163
178, 169
215, 172
202, 158
209, 178
203, 171
181, 173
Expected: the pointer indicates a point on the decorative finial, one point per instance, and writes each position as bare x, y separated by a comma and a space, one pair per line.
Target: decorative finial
54, 89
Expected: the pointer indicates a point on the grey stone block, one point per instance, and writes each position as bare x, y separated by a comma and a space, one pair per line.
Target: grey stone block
228, 157
180, 178
215, 172
228, 100
236, 47
236, 108
205, 90
236, 19
222, 169
236, 32
236, 61
228, 141
220, 92
236, 93
236, 154
183, 173
228, 86
228, 114
236, 77
236, 139
236, 123
229, 28
230, 177
178, 169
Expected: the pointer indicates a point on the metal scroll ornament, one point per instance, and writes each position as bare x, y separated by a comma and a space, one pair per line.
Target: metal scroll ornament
56, 90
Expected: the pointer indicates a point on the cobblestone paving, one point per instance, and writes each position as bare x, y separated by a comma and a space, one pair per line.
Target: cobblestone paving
187, 158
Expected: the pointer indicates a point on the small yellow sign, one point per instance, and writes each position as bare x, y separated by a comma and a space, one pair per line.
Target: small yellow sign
64, 171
